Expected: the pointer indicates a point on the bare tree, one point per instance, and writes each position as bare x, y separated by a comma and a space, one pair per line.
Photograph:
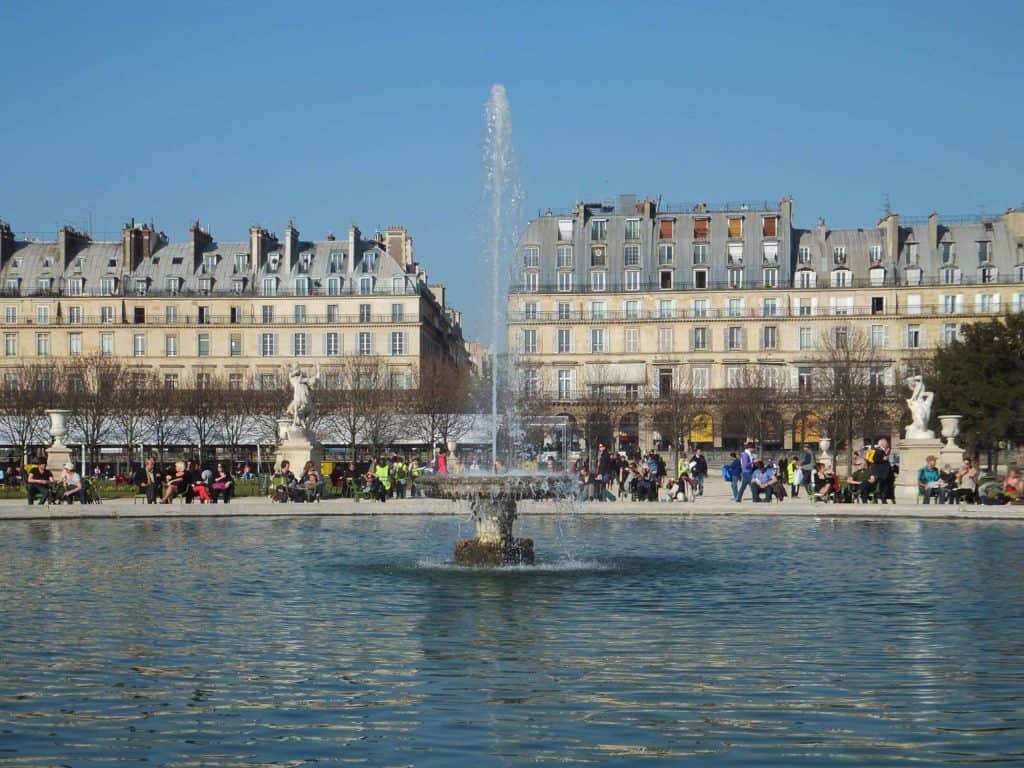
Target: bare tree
90, 383
755, 399
132, 395
163, 415
357, 407
602, 402
23, 401
673, 413
238, 418
437, 406
849, 382
200, 406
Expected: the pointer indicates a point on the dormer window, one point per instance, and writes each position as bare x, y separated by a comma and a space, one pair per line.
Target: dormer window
770, 253
141, 286
45, 283
876, 276
735, 255
76, 286
111, 263
210, 261
875, 253
599, 230
913, 254
804, 255
841, 278
947, 252
335, 261
770, 226
565, 230
305, 261
302, 286
987, 274
173, 283
270, 286
632, 229
984, 251
241, 262
839, 254
238, 285
369, 262
205, 284
666, 229
47, 262
531, 256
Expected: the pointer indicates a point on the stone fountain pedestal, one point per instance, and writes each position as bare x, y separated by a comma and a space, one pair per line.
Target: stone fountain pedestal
297, 445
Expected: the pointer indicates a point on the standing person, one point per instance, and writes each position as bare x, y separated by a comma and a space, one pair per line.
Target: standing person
881, 472
401, 476
383, 473
806, 469
415, 470
148, 480
700, 470
746, 471
39, 481
733, 471
604, 472
442, 461
793, 477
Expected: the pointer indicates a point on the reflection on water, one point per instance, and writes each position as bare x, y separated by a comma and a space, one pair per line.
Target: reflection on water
237, 642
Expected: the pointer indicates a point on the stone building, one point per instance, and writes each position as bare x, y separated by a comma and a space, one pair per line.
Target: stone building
634, 300
240, 311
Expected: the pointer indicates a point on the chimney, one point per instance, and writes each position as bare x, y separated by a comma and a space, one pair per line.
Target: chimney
6, 243
291, 245
933, 230
648, 209
353, 245
822, 228
69, 242
137, 244
890, 226
201, 239
259, 239
399, 245
786, 209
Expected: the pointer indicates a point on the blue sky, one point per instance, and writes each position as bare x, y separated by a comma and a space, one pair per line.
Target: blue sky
332, 113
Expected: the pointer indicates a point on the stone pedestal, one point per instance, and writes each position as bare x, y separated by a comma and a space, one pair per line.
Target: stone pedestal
912, 458
297, 446
494, 543
58, 454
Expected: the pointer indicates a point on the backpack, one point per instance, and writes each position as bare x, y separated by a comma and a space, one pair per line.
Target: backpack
726, 473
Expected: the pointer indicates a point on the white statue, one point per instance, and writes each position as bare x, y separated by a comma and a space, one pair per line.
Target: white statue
301, 406
920, 404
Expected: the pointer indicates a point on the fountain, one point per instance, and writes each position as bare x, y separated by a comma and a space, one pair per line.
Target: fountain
492, 497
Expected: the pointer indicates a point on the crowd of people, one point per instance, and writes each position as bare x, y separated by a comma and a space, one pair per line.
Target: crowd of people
642, 477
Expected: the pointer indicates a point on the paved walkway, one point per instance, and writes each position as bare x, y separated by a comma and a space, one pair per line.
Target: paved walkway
716, 501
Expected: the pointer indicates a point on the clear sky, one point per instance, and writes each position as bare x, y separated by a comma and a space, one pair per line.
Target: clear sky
332, 113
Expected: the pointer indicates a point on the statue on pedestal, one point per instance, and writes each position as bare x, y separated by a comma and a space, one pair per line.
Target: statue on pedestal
301, 407
920, 404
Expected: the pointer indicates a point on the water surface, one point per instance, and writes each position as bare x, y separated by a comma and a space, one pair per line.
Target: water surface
636, 641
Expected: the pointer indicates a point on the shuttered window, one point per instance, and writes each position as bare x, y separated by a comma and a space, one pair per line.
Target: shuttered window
701, 228
666, 229
770, 226
735, 228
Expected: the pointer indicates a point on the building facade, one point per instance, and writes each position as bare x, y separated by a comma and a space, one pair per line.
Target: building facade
239, 311
637, 300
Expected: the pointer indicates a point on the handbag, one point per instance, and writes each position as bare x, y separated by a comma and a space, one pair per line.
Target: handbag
220, 486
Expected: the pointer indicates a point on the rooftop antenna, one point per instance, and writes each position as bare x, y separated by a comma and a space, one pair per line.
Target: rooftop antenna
886, 204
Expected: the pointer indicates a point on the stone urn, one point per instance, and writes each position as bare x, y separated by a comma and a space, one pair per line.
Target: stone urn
950, 428
58, 424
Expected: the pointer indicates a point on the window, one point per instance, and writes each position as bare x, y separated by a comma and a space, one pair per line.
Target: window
805, 338
839, 254
665, 340
366, 286
700, 379
876, 376
531, 381
170, 314
530, 341
631, 391
770, 307
236, 345
268, 344
397, 313
878, 304
841, 278
598, 310
631, 309
397, 343
332, 343
563, 256
139, 345
701, 228
10, 344
564, 310
700, 253
665, 280
106, 344
564, 282
270, 286
875, 253
632, 340
769, 337
42, 315
770, 253
735, 308
951, 303
268, 381
805, 307
984, 251
530, 281
631, 255
302, 286
1018, 273
666, 308
531, 256
666, 254
365, 343
988, 302
841, 305
804, 378
172, 284
565, 230
530, 310
666, 229
598, 280
138, 315
203, 315
950, 276
913, 336
700, 278
299, 313
170, 381
45, 283
770, 278
332, 313
987, 274
947, 252
564, 340
734, 376
803, 254
735, 228
76, 286
335, 261
876, 276
267, 313
598, 256
700, 307
75, 315
107, 285
632, 280
805, 278
234, 381
10, 314
106, 315
364, 313
735, 278
171, 345
700, 339
879, 336
913, 254
734, 256
632, 229
203, 345
300, 345
950, 332
599, 230
734, 337
597, 340
564, 379
769, 226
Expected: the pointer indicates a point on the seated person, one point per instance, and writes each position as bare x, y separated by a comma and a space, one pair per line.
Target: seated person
174, 485
859, 482
147, 479
967, 482
929, 482
1013, 483
285, 485
223, 485
761, 482
201, 487
948, 478
824, 482
72, 483
40, 480
311, 482
374, 486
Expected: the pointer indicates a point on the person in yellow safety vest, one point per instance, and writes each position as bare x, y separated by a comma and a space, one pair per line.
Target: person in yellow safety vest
383, 473
415, 470
401, 474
